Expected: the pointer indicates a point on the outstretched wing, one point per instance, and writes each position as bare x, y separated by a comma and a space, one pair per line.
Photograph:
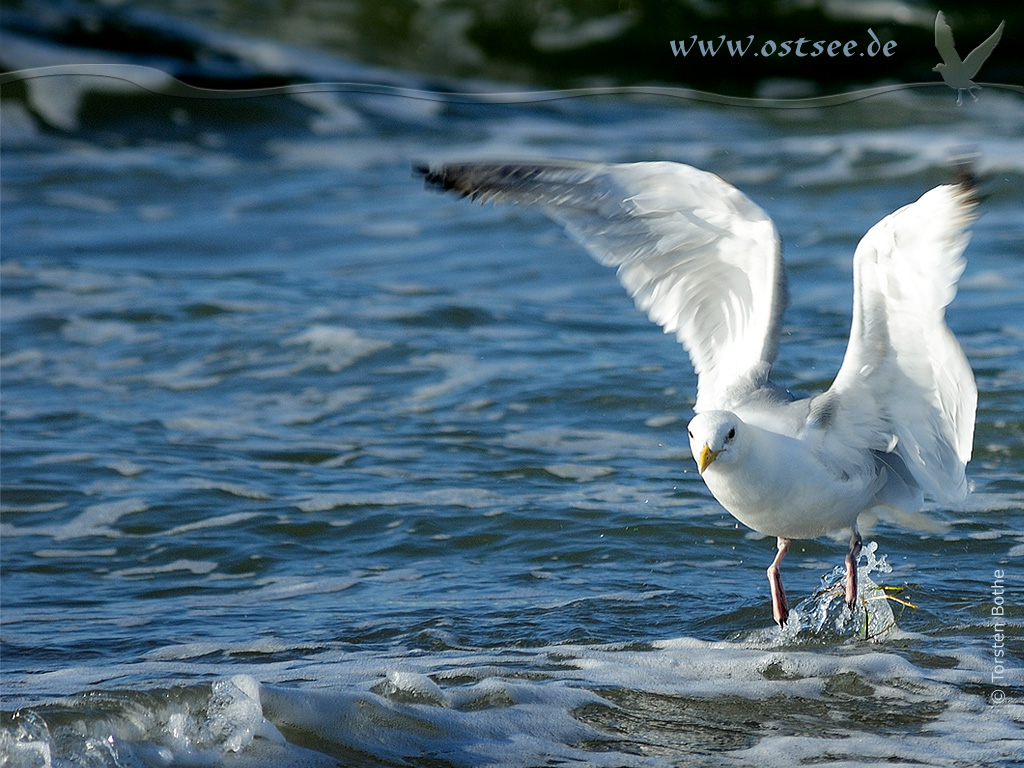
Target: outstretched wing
696, 255
903, 365
977, 57
944, 41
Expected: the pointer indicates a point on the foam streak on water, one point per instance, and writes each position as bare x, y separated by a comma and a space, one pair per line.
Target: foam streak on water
303, 466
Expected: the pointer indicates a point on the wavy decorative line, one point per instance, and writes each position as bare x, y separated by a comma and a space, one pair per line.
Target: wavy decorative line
162, 83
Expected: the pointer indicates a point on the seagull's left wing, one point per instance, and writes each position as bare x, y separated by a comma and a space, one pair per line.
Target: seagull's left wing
905, 377
696, 255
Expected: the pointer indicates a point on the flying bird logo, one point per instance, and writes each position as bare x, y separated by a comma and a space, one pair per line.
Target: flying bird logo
956, 73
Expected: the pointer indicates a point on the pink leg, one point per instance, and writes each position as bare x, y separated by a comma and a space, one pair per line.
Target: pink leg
780, 608
851, 569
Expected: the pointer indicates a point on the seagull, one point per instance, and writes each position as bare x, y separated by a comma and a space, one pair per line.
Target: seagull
956, 73
705, 263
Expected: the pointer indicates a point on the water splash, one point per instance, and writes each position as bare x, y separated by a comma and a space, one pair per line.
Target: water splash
25, 740
198, 725
872, 618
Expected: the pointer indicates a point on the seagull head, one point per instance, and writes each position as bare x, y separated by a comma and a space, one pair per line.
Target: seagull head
714, 436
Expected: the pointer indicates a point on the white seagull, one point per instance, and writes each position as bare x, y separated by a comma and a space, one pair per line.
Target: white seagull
705, 263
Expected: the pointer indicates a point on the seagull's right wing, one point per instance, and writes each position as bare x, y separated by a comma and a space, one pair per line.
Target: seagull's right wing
944, 41
696, 255
905, 376
977, 57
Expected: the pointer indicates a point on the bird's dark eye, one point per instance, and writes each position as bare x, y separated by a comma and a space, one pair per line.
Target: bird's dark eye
689, 432
732, 433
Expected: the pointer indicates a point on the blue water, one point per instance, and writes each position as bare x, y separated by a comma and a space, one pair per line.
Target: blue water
303, 465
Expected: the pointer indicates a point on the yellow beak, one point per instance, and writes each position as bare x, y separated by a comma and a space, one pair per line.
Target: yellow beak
705, 458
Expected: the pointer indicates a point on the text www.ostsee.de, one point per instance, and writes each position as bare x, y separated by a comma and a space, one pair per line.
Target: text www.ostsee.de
800, 47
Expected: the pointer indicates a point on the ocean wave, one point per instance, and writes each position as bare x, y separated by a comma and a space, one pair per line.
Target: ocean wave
709, 703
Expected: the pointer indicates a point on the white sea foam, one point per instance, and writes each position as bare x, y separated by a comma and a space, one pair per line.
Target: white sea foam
286, 588
332, 347
234, 489
308, 405
63, 458
126, 468
596, 445
471, 498
94, 520
66, 554
188, 374
582, 473
461, 372
708, 703
195, 567
212, 522
225, 425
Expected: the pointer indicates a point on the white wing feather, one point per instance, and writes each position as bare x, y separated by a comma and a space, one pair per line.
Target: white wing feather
903, 363
695, 254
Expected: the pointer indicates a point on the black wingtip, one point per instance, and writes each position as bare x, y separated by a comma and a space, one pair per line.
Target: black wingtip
965, 175
964, 171
436, 178
441, 177
432, 178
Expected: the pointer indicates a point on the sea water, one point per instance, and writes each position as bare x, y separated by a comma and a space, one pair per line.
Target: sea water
303, 465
